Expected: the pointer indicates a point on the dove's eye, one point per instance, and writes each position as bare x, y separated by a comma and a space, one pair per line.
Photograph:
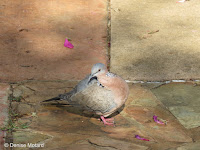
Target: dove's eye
99, 70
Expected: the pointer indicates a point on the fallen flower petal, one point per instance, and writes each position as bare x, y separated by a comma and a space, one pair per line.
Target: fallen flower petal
68, 44
138, 137
155, 118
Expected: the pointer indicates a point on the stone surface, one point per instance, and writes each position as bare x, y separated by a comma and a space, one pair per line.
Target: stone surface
23, 109
188, 116
140, 96
2, 139
33, 34
73, 128
183, 100
36, 91
115, 144
143, 115
29, 136
190, 146
153, 40
4, 108
4, 93
195, 134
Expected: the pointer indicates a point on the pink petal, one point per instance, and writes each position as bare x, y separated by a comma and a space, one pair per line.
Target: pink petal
156, 120
68, 44
138, 137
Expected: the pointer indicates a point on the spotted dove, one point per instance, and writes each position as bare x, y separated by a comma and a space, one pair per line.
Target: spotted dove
101, 92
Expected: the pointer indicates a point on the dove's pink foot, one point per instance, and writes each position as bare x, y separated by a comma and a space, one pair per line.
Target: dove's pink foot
107, 121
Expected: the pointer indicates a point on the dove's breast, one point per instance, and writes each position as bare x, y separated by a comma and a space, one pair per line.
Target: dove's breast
95, 98
117, 85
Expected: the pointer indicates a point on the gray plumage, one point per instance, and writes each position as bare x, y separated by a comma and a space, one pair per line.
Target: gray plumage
83, 84
90, 94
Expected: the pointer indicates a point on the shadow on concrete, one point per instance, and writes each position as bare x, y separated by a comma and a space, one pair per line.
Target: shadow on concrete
33, 35
78, 110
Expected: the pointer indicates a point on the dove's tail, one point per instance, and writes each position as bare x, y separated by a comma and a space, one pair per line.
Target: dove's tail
52, 99
61, 97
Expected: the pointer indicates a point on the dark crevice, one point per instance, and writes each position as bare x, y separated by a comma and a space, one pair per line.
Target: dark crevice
9, 135
30, 88
100, 145
26, 66
23, 30
158, 86
108, 34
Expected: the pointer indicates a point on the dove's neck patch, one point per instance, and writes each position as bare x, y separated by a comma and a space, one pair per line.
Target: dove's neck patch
99, 84
109, 74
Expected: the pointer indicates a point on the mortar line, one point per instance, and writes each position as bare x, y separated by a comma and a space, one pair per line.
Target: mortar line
108, 34
129, 81
166, 81
9, 135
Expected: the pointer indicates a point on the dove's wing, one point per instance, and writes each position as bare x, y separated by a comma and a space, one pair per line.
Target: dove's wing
94, 98
83, 84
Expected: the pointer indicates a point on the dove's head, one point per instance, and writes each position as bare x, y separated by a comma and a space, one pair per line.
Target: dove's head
98, 69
